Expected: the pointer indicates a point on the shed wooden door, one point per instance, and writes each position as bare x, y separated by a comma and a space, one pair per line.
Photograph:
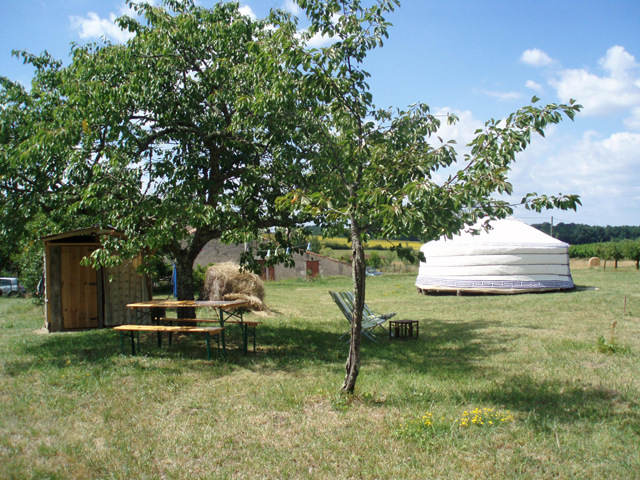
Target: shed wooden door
78, 289
313, 268
267, 273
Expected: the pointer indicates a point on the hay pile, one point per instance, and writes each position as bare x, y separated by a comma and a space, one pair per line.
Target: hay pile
225, 281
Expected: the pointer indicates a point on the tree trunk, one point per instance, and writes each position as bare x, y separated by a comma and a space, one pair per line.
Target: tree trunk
184, 256
184, 270
359, 274
637, 264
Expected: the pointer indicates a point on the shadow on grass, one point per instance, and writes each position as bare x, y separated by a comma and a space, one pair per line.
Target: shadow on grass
444, 348
548, 402
96, 348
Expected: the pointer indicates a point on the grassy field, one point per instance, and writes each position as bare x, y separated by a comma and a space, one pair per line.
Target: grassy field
72, 407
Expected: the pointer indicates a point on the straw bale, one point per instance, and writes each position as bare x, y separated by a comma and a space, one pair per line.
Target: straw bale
594, 262
254, 302
225, 281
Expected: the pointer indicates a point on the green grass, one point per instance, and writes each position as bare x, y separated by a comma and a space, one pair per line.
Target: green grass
72, 407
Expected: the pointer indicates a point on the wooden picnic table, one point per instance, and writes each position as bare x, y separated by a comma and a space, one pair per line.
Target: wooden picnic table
228, 310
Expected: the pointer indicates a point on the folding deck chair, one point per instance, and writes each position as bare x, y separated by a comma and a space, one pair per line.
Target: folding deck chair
370, 320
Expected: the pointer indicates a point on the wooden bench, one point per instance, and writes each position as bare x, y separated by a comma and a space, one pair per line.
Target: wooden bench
245, 334
160, 329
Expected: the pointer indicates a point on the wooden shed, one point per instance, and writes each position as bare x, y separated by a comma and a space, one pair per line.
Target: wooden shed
79, 297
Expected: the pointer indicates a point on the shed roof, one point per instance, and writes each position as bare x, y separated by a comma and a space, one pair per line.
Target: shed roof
82, 232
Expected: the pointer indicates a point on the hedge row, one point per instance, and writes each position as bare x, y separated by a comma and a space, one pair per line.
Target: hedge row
625, 249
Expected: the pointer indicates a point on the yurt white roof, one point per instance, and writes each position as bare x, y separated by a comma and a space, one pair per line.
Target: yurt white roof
512, 257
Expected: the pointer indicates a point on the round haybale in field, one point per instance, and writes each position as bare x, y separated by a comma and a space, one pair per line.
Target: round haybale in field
225, 281
594, 262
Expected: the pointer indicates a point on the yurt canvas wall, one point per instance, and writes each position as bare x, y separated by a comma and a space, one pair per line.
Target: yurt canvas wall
79, 297
512, 257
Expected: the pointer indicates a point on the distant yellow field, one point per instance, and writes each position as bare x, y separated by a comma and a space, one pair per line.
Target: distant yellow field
372, 243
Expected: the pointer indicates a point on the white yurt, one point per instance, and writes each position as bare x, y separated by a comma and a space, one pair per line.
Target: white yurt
512, 257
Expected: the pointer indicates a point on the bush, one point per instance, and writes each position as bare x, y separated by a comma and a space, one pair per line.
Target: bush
327, 252
315, 245
631, 251
583, 251
374, 260
31, 266
199, 276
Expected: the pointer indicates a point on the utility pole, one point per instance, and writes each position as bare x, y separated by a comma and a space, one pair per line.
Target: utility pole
552, 226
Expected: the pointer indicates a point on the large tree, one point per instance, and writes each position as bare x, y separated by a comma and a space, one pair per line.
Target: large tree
179, 136
372, 172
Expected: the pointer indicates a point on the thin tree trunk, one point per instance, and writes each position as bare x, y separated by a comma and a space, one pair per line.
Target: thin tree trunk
359, 270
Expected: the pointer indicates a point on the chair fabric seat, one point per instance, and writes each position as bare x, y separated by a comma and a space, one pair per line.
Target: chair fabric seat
370, 319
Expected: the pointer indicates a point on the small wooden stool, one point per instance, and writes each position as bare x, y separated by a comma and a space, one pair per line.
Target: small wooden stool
403, 329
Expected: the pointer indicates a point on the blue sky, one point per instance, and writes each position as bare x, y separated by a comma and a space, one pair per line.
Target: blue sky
479, 60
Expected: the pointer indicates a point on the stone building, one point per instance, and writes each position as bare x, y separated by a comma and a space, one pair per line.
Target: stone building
308, 264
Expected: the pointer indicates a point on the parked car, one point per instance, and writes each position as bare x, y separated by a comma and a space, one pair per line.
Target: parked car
9, 286
372, 272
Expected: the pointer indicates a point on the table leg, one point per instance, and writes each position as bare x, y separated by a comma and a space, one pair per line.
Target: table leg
245, 338
224, 348
133, 343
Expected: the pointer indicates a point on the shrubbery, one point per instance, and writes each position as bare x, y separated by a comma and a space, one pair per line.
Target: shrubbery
616, 250
374, 260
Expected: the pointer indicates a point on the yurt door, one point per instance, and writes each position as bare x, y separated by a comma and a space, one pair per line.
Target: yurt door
78, 288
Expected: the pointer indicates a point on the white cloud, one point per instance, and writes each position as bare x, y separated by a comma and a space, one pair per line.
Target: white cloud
319, 40
534, 86
247, 12
614, 93
504, 96
125, 9
536, 58
605, 172
462, 131
618, 61
633, 122
293, 7
94, 27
